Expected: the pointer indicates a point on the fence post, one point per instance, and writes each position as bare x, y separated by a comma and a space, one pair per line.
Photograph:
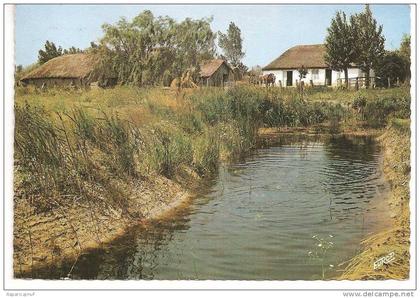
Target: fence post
389, 82
281, 86
398, 81
356, 85
311, 83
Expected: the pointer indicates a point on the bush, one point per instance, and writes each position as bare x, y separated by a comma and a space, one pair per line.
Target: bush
378, 110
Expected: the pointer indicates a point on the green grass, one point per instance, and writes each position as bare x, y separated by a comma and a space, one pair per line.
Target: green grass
69, 141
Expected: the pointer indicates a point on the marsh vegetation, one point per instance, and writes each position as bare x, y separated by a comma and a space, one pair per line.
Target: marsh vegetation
96, 147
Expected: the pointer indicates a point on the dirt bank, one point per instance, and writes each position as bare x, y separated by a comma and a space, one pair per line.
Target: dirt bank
393, 242
65, 232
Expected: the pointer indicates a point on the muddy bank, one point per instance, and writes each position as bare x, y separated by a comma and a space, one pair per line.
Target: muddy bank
67, 231
394, 241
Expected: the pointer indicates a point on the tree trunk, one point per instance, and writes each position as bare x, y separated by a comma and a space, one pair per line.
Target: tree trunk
367, 78
346, 77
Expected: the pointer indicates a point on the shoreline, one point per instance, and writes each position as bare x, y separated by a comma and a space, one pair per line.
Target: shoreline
395, 239
52, 242
114, 225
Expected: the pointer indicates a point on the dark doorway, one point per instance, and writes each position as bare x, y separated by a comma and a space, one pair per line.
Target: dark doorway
225, 79
289, 81
328, 77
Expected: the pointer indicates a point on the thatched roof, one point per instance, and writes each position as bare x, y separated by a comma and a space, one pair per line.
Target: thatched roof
310, 56
208, 68
79, 66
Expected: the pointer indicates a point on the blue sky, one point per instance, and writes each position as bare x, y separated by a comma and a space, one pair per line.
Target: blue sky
267, 30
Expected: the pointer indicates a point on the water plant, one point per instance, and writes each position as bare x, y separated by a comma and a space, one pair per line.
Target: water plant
319, 252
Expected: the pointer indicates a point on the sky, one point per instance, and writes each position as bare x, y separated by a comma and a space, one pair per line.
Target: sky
267, 30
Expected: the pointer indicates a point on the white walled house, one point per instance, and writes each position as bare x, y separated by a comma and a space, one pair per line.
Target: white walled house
286, 66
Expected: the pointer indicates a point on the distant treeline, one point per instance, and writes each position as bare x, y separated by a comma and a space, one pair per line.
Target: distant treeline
151, 50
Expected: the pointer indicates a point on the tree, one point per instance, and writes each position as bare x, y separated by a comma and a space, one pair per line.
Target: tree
302, 72
194, 42
150, 50
231, 44
405, 47
256, 70
50, 51
405, 53
340, 45
242, 68
369, 42
72, 50
393, 66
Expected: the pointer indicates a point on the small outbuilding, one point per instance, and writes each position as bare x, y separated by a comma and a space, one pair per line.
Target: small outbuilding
216, 72
73, 70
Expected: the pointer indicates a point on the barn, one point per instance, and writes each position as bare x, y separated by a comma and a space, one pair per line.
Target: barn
76, 70
215, 72
286, 66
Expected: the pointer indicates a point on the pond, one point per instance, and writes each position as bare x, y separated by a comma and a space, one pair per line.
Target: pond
294, 210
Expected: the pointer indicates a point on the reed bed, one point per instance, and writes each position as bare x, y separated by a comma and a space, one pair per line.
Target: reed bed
65, 139
96, 147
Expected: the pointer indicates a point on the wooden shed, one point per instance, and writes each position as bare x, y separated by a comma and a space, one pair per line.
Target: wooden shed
77, 70
215, 72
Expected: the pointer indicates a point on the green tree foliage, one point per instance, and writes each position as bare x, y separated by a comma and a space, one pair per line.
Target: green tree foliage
242, 68
405, 53
49, 52
405, 47
148, 50
231, 44
303, 71
396, 64
72, 50
393, 66
369, 42
340, 44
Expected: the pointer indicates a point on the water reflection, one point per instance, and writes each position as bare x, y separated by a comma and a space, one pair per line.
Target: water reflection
258, 220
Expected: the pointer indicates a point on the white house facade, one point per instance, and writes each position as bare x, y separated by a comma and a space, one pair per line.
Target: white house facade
311, 57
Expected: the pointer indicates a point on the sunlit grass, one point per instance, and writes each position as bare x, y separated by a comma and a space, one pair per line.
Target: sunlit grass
64, 137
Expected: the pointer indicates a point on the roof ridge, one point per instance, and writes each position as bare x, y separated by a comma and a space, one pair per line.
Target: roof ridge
310, 55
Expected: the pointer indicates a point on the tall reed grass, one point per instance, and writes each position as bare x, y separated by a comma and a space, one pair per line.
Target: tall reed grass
91, 138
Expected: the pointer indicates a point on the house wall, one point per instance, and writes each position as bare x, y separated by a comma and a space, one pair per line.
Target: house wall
216, 80
55, 82
64, 82
319, 80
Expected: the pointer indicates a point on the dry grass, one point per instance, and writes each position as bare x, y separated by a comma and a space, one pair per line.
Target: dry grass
396, 147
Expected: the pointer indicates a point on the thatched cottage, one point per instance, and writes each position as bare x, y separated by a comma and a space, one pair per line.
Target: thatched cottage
78, 70
286, 66
215, 72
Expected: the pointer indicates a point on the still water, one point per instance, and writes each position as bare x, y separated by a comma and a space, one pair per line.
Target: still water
294, 210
